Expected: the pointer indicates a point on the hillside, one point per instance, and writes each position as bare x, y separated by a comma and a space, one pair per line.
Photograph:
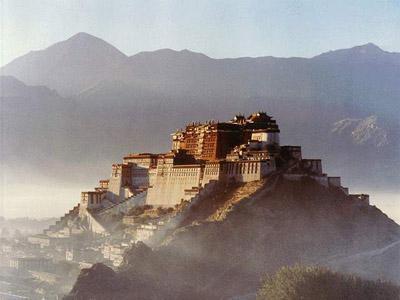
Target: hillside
224, 243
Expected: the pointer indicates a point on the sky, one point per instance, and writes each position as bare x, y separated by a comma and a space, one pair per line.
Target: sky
219, 28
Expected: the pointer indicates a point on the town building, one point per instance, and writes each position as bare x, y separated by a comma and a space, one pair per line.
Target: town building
30, 263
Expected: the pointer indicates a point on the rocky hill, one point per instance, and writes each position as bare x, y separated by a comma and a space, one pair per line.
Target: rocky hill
223, 244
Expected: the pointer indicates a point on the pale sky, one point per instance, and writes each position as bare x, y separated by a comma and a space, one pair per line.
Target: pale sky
217, 28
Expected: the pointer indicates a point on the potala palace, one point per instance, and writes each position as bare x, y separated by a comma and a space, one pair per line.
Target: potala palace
243, 149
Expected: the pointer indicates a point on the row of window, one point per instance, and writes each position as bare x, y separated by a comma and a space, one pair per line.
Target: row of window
242, 168
178, 174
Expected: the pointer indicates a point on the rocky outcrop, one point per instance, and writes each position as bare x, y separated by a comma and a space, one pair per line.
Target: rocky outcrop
362, 131
98, 282
224, 251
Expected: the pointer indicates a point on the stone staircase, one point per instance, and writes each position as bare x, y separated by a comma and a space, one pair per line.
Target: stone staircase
61, 222
123, 205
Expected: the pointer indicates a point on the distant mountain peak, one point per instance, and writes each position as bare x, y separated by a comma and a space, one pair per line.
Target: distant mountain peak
167, 52
365, 50
81, 35
86, 40
68, 66
368, 48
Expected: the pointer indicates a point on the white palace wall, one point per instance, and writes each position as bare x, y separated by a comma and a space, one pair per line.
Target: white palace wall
171, 182
175, 183
246, 171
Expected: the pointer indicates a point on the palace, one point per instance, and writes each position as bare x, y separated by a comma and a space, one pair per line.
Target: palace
243, 149
213, 140
240, 150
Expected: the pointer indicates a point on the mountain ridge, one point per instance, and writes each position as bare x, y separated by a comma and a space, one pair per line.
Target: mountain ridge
85, 37
85, 52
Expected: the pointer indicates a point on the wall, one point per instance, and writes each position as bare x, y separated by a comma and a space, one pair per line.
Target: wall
171, 182
174, 183
269, 138
114, 187
334, 181
313, 165
140, 165
121, 177
140, 177
246, 171
94, 225
91, 199
212, 171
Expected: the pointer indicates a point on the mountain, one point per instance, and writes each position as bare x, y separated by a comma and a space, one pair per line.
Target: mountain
30, 115
109, 103
68, 66
84, 62
361, 53
224, 243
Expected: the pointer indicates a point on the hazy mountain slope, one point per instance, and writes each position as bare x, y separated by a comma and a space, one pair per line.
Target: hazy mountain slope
33, 116
68, 66
11, 87
294, 222
45, 135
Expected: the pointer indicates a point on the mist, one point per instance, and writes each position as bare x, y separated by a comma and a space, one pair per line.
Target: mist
388, 202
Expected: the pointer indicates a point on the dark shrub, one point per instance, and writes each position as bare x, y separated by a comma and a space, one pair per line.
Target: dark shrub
316, 283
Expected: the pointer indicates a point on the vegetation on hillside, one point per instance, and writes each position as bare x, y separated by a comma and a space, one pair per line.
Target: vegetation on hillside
316, 283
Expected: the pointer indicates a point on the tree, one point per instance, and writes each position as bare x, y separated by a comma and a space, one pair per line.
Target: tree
316, 283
